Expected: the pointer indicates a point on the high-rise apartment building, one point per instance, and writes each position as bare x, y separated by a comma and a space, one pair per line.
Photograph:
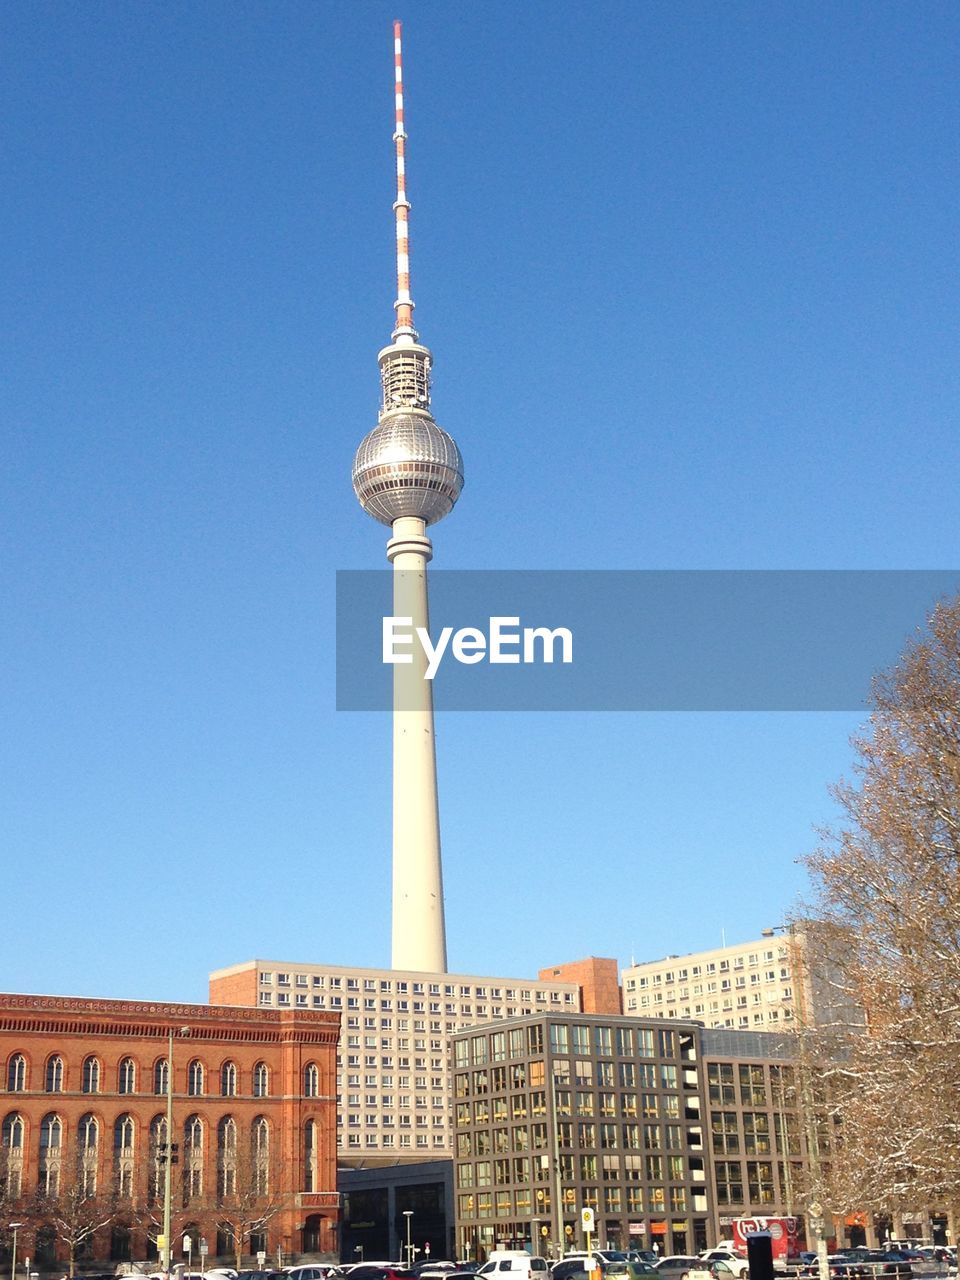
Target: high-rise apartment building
751, 986
393, 1069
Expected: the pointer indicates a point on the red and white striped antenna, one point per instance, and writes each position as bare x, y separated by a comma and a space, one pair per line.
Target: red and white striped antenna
404, 303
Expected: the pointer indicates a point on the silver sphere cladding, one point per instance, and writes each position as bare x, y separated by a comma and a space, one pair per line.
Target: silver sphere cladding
407, 466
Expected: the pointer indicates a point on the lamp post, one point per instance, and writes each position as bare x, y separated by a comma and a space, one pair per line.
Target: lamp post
408, 1214
535, 1227
14, 1227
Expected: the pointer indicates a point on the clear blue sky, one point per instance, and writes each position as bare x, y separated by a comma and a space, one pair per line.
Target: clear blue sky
689, 272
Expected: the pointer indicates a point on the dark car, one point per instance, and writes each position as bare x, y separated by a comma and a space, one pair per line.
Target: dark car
842, 1267
570, 1269
368, 1271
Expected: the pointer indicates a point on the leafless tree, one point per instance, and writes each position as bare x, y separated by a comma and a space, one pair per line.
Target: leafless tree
75, 1210
248, 1187
885, 924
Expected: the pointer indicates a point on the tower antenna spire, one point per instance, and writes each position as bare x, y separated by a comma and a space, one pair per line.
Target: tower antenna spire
404, 330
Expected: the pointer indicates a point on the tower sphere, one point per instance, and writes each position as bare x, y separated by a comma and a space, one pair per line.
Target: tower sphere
407, 466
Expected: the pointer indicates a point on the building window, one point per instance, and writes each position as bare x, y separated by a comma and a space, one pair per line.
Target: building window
760, 1182
260, 1155
90, 1076
13, 1133
160, 1069
87, 1134
126, 1076
123, 1133
12, 1142
227, 1157
228, 1080
310, 1156
193, 1157
729, 1182
17, 1074
51, 1143
311, 1081
53, 1080
752, 1090
756, 1133
723, 1126
195, 1078
261, 1080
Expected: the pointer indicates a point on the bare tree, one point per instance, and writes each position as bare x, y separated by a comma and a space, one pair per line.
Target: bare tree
886, 926
75, 1211
248, 1189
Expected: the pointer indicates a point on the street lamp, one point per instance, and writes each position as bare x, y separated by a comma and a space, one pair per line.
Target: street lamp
167, 1252
408, 1214
14, 1227
358, 1248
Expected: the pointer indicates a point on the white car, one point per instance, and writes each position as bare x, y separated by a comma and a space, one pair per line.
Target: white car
737, 1263
678, 1266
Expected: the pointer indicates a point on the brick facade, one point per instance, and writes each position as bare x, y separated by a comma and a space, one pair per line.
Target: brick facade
597, 978
84, 1088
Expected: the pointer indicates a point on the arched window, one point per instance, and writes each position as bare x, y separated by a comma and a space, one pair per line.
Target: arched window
261, 1080
51, 1133
260, 1155
310, 1156
51, 1145
12, 1140
127, 1076
195, 1078
193, 1156
17, 1074
160, 1069
311, 1081
123, 1133
53, 1080
90, 1076
88, 1135
227, 1157
228, 1080
13, 1132
123, 1138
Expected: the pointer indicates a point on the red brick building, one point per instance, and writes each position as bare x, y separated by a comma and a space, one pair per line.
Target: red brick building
83, 1124
597, 978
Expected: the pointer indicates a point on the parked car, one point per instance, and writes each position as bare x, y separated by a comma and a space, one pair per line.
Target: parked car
569, 1269
680, 1266
375, 1271
514, 1264
842, 1266
612, 1262
305, 1271
736, 1262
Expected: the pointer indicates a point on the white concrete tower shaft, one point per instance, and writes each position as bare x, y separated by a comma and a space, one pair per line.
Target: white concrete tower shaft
419, 930
407, 474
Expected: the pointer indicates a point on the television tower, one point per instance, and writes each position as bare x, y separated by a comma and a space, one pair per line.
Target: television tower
407, 474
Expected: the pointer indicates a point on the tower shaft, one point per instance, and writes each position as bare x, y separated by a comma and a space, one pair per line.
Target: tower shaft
419, 933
